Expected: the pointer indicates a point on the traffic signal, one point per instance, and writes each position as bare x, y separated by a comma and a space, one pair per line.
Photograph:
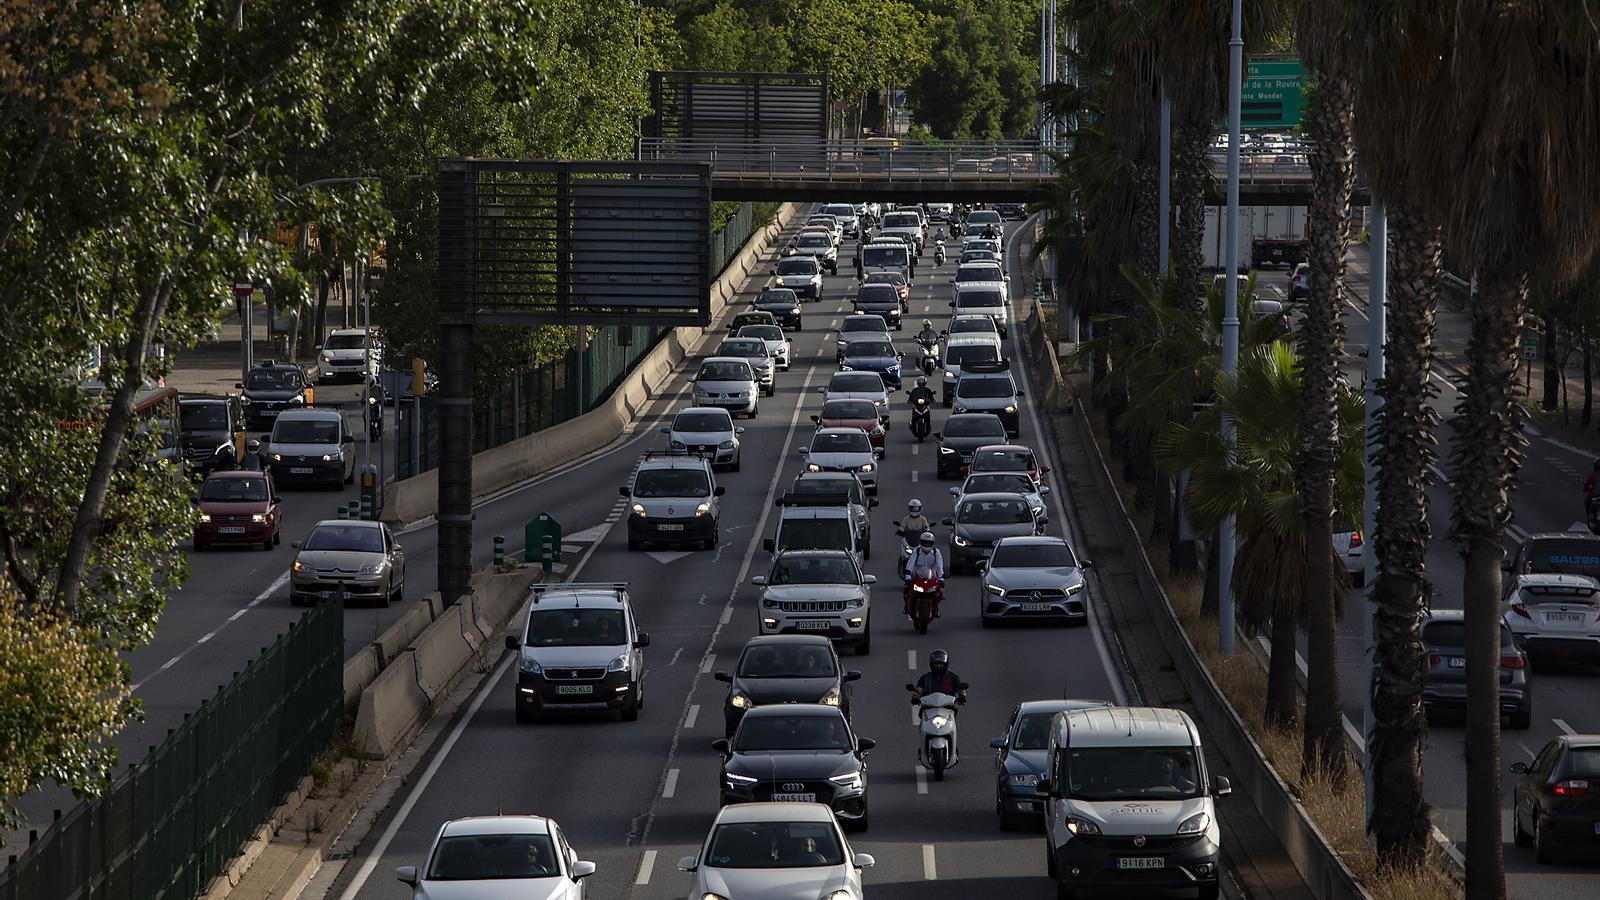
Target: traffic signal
419, 380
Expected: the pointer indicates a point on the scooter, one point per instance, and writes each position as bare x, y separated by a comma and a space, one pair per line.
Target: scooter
937, 714
938, 251
924, 594
921, 421
930, 355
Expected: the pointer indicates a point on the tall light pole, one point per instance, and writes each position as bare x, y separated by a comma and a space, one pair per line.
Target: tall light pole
1230, 321
1377, 336
1164, 227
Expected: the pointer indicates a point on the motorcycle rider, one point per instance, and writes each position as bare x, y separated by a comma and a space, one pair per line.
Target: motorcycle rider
252, 456
915, 523
926, 556
939, 679
921, 392
927, 336
989, 232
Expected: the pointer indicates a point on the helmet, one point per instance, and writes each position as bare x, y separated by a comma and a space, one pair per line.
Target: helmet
915, 506
926, 540
927, 325
939, 662
252, 446
922, 381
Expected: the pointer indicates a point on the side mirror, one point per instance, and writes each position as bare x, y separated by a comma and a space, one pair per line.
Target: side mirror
865, 744
1044, 489
869, 579
998, 743
1021, 394
687, 864
721, 746
1520, 768
878, 452
770, 546
194, 501
1221, 786
947, 522
1044, 470
980, 565
512, 643
624, 492
738, 429
938, 435
1085, 563
851, 675
239, 385
803, 451
821, 389
952, 304
955, 492
871, 502
718, 491
643, 639
582, 869
817, 419
349, 439
666, 431
911, 687
864, 861
760, 579
407, 874
1505, 565
294, 545
725, 677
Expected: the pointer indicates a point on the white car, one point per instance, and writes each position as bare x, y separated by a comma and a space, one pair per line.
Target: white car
906, 222
858, 386
779, 347
983, 298
344, 355
1003, 483
973, 324
776, 851
727, 382
1556, 617
835, 227
844, 213
707, 431
844, 450
1347, 542
801, 274
499, 856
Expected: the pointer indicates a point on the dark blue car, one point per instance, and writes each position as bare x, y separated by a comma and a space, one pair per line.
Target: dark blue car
877, 356
1020, 760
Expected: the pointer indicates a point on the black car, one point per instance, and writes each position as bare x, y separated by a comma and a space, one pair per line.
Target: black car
879, 299
785, 668
1021, 757
964, 433
983, 519
206, 426
1555, 805
782, 303
1009, 210
797, 752
269, 389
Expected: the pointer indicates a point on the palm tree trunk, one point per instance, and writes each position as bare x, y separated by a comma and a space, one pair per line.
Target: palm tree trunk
1485, 469
1405, 424
1330, 123
1281, 686
1147, 212
1191, 175
1211, 593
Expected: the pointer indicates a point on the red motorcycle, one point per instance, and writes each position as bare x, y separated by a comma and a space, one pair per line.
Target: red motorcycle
924, 592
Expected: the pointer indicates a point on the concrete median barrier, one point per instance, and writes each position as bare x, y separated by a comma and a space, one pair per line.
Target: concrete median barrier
443, 649
392, 708
402, 633
359, 671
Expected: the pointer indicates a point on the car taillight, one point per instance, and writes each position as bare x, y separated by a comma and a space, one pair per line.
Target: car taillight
1571, 787
1511, 662
1433, 659
1520, 610
1355, 539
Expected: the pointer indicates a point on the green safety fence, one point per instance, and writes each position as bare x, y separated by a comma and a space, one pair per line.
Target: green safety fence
172, 823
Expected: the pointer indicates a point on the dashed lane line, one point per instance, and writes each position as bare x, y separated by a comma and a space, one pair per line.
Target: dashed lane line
272, 588
646, 865
922, 780
671, 786
1562, 724
930, 871
692, 717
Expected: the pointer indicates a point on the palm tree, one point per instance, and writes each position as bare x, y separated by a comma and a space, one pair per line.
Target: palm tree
1256, 485
1328, 123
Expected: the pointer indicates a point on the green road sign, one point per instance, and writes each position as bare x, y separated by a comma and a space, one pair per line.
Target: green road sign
1532, 346
1271, 96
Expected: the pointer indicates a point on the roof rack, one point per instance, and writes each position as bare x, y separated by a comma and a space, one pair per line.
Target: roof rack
673, 454
987, 368
620, 587
832, 499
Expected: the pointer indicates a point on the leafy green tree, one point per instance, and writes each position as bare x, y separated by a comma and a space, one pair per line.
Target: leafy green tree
729, 38
978, 84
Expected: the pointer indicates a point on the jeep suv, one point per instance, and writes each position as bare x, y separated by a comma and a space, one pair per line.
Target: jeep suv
672, 499
821, 592
579, 648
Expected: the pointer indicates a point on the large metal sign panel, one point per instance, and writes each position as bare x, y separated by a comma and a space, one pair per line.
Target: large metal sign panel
1271, 94
738, 107
536, 242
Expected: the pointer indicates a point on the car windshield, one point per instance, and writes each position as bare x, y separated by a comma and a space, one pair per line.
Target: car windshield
1033, 732
840, 210
773, 845
671, 483
814, 570
702, 421
724, 371
885, 256
877, 293
344, 342
977, 273
742, 347
815, 534
886, 278
1110, 774
1451, 634
977, 255
815, 241
481, 857
902, 220
1002, 460
994, 512
1033, 556
870, 348
976, 426
985, 388
852, 441
234, 490
814, 732
762, 332
305, 431
999, 484
582, 626
980, 299
776, 296
849, 409
272, 380
355, 538
982, 217
203, 417
797, 265
864, 323
1572, 557
857, 383
828, 483
966, 354
755, 318
972, 325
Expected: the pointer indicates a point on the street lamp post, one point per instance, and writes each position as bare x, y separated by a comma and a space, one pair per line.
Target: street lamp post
1230, 322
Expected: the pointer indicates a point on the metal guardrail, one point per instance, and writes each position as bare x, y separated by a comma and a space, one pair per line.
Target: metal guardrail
988, 161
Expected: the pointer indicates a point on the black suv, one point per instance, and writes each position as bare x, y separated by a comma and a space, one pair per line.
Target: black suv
802, 752
206, 426
785, 668
963, 434
269, 389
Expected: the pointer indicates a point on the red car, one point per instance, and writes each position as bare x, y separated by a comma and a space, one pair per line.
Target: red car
898, 279
238, 507
1007, 458
862, 414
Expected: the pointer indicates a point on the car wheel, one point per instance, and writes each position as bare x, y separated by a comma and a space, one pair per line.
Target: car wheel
351, 478
630, 713
1208, 892
1066, 891
268, 543
866, 550
1008, 821
1049, 859
1543, 853
987, 622
736, 459
1518, 836
633, 544
277, 537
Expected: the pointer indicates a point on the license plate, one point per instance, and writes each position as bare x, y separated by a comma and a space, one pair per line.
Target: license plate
1141, 862
231, 529
300, 470
1458, 662
1553, 617
324, 594
795, 798
1035, 607
269, 413
811, 626
574, 688
670, 527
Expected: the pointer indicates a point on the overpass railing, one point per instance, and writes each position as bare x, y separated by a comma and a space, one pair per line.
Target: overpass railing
985, 161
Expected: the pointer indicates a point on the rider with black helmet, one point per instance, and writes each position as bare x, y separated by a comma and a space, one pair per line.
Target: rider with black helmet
939, 679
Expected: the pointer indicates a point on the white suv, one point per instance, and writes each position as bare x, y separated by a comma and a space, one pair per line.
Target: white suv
1556, 618
822, 592
579, 648
345, 354
1129, 803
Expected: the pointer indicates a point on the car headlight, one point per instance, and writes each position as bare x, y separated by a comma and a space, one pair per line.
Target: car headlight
867, 467
244, 401
940, 721
1195, 824
854, 603
846, 367
1076, 825
725, 445
796, 311
995, 589
960, 541
530, 665
960, 409
327, 358
736, 781
257, 518
949, 375
277, 457
638, 509
297, 400
620, 664
1036, 510
205, 517
831, 698
895, 367
1075, 589
373, 569
945, 450
710, 896
702, 509
1022, 780
769, 603
678, 445
740, 701
813, 467
847, 780
1011, 409
329, 457
841, 343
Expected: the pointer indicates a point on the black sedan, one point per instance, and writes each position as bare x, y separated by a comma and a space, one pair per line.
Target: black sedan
963, 434
1020, 759
269, 389
802, 753
1555, 805
785, 668
982, 520
783, 303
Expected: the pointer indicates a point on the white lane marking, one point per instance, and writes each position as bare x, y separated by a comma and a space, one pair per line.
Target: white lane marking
915, 448
911, 660
237, 614
1525, 749
646, 865
930, 872
205, 637
169, 664
672, 785
689, 720
916, 720
371, 862
1562, 724
913, 474
707, 663
271, 589
922, 780
727, 613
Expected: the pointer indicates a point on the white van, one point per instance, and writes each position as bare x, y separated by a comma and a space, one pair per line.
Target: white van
983, 298
886, 256
1128, 801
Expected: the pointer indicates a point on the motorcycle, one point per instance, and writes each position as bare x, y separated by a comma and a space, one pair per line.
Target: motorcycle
921, 421
374, 417
924, 593
937, 716
938, 251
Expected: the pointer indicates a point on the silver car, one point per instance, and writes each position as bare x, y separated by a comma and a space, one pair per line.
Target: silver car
858, 386
1033, 578
707, 431
361, 559
858, 328
727, 383
844, 450
776, 851
801, 274
1004, 483
499, 858
754, 350
779, 347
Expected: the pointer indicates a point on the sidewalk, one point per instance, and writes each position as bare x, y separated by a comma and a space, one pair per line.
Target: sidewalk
215, 366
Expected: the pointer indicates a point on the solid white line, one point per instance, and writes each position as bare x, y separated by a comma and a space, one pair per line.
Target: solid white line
707, 663
645, 866
1562, 724
672, 785
922, 780
930, 872
689, 720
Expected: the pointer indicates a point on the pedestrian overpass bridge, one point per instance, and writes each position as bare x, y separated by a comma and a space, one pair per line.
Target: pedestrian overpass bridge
990, 171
